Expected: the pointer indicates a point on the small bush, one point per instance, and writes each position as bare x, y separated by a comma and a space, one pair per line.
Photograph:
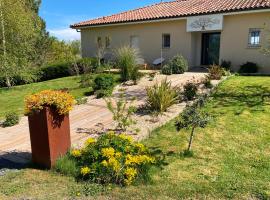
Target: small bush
178, 64
161, 96
81, 101
109, 159
104, 82
127, 61
104, 93
11, 119
215, 72
249, 67
167, 70
86, 65
55, 71
66, 166
226, 64
207, 82
190, 91
122, 112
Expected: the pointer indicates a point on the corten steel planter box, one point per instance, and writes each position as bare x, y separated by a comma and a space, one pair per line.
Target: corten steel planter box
50, 136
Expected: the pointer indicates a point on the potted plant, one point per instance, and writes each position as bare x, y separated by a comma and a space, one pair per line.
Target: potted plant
48, 117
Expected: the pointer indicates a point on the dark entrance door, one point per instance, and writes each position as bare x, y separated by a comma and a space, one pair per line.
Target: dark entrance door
210, 48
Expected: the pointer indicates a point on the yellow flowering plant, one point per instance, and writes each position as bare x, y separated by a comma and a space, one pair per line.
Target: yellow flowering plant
112, 158
61, 101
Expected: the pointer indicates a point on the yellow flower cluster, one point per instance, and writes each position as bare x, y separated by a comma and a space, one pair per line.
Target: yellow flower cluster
113, 163
138, 159
62, 101
85, 171
76, 153
90, 141
130, 174
126, 137
141, 147
108, 152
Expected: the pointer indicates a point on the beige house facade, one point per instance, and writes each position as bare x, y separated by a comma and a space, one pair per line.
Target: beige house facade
206, 39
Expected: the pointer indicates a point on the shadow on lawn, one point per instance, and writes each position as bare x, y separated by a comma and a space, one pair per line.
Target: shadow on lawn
253, 98
15, 160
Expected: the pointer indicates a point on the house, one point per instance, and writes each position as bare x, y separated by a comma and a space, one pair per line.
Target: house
203, 31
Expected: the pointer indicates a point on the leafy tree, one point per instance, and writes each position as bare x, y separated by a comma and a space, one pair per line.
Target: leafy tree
20, 35
192, 118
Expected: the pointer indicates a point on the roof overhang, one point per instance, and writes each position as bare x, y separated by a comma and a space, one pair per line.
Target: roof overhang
235, 12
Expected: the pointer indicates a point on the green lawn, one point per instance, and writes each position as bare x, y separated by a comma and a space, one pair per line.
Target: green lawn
231, 156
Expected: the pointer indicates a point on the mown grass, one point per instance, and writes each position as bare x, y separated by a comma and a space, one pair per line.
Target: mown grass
231, 156
12, 100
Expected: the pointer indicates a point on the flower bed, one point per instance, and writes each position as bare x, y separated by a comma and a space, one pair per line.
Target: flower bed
109, 159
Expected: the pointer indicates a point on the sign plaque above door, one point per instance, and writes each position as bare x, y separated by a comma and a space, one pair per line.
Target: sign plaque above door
205, 23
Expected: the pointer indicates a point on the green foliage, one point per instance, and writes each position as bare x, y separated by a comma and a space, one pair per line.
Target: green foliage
11, 119
127, 61
178, 64
190, 91
86, 65
215, 72
66, 166
192, 118
122, 113
167, 70
109, 159
226, 64
104, 82
81, 101
249, 67
207, 82
161, 96
103, 85
55, 71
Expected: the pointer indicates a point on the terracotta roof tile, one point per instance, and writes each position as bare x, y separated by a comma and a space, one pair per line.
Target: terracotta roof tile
177, 8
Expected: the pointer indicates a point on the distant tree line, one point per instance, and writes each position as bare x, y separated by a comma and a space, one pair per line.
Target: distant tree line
24, 42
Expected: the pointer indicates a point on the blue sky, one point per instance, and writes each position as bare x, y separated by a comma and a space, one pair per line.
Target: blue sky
59, 14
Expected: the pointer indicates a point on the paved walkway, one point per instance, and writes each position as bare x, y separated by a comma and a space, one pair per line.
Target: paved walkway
15, 141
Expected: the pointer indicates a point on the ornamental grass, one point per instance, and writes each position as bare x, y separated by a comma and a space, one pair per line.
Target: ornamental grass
61, 101
111, 158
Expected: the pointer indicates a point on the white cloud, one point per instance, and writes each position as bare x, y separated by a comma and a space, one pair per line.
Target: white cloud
65, 34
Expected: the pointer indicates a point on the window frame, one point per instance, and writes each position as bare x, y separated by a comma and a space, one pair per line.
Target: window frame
163, 41
108, 42
250, 36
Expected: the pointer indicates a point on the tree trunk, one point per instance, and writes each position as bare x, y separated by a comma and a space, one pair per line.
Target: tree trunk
4, 44
191, 139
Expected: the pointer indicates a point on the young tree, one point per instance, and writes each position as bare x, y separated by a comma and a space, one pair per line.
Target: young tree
19, 32
192, 118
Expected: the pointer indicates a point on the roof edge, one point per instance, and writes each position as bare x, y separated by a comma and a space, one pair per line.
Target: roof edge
74, 26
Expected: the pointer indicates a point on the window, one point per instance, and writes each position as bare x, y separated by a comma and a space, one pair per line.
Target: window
254, 37
108, 42
166, 40
99, 42
134, 42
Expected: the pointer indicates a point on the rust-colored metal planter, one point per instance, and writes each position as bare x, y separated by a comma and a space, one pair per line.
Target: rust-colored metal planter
50, 136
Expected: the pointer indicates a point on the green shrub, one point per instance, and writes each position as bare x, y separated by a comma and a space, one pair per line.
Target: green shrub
226, 64
215, 72
178, 64
87, 65
249, 67
67, 166
104, 82
161, 96
190, 91
207, 82
104, 93
55, 71
87, 80
109, 159
81, 101
122, 112
127, 61
11, 119
167, 70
